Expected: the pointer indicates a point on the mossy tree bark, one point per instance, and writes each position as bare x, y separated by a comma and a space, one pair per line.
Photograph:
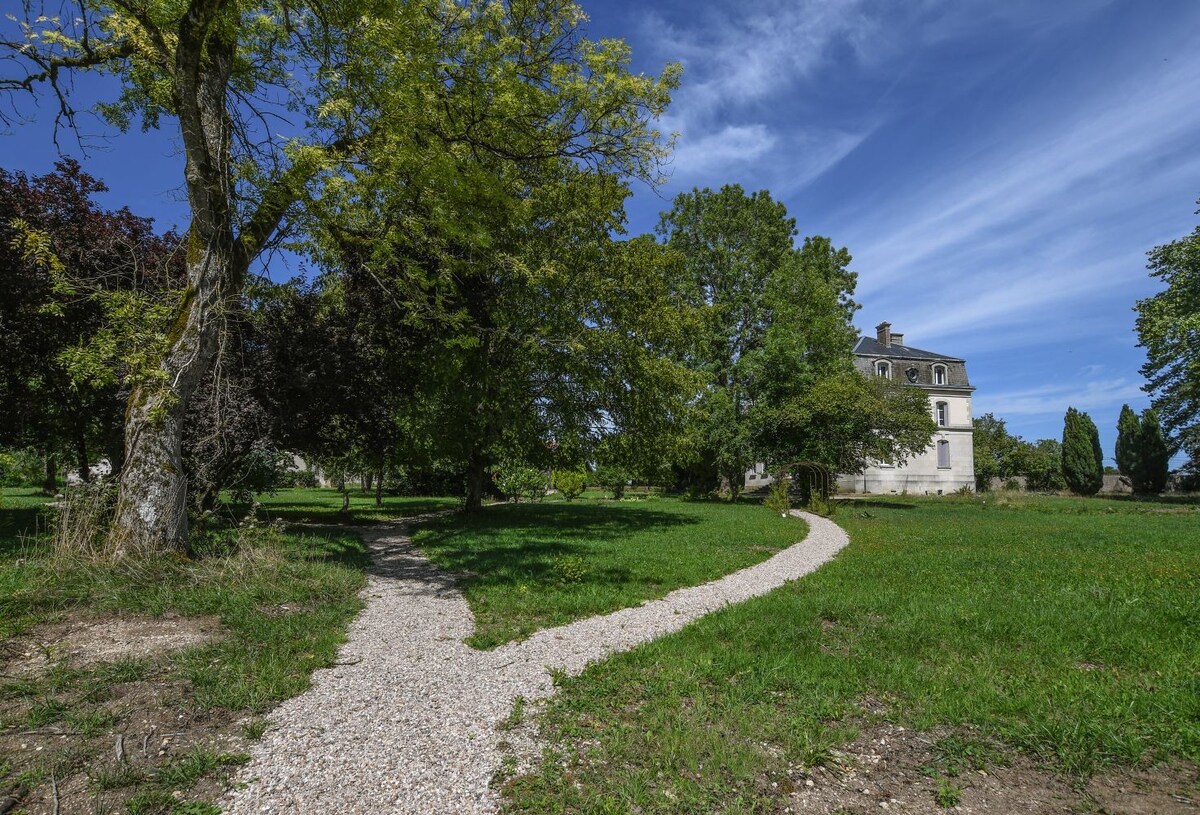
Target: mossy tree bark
151, 512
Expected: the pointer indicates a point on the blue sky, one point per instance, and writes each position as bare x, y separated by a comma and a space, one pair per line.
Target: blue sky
997, 169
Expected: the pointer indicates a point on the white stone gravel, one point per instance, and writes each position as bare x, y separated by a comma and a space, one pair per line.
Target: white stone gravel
406, 721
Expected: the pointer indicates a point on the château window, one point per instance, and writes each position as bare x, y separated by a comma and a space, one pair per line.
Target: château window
943, 454
943, 414
939, 374
883, 369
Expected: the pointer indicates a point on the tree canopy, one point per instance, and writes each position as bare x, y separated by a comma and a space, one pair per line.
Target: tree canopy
281, 107
1168, 326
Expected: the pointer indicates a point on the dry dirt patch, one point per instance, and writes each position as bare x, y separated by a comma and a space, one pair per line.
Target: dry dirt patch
80, 643
891, 769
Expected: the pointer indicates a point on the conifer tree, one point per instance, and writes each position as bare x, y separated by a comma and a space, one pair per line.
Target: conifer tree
1128, 431
1153, 455
1082, 459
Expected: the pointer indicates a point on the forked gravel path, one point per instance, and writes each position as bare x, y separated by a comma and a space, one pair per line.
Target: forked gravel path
406, 721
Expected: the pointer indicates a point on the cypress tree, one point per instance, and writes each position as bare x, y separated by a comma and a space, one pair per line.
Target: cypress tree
1129, 430
1153, 455
1082, 459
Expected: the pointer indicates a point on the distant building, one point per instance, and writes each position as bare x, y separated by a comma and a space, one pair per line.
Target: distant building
948, 464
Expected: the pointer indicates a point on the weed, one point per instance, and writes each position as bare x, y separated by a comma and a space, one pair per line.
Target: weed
91, 722
947, 795
515, 716
186, 770
150, 802
196, 808
115, 776
569, 569
253, 730
44, 712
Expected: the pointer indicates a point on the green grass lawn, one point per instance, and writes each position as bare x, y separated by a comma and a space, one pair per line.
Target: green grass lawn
531, 566
322, 506
283, 595
1068, 629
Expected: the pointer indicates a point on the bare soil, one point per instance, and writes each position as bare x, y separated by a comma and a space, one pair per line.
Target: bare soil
894, 770
79, 643
106, 740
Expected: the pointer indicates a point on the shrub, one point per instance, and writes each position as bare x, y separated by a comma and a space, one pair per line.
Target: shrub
517, 481
571, 483
304, 479
777, 499
569, 568
20, 468
612, 478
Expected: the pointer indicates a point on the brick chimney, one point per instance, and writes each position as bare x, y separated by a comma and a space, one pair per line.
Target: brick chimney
883, 333
897, 339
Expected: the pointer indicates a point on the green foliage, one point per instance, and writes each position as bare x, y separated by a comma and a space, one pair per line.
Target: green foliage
1168, 324
731, 243
613, 478
1082, 459
20, 467
1041, 463
570, 483
1128, 431
569, 568
1142, 453
997, 453
948, 794
777, 499
517, 481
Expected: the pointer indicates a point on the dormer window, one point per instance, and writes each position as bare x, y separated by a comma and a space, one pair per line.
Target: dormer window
943, 414
939, 374
883, 369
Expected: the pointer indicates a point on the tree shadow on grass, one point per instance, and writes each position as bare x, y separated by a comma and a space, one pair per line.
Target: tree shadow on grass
518, 543
17, 526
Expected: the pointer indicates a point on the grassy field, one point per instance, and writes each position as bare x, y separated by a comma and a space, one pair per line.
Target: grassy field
321, 505
531, 566
1063, 629
279, 596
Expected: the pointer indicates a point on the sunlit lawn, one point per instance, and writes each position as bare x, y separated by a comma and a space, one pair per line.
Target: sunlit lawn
532, 566
1062, 627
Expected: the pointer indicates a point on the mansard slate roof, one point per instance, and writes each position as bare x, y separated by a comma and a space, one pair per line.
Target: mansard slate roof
869, 347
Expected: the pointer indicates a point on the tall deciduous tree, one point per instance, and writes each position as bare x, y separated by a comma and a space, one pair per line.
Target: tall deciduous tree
1082, 459
732, 244
1168, 326
346, 84
807, 402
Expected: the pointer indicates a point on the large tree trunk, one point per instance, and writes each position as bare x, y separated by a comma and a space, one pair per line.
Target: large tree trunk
151, 512
379, 489
81, 458
50, 480
476, 479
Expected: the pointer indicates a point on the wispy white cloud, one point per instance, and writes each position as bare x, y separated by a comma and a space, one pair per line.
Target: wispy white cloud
1053, 400
732, 145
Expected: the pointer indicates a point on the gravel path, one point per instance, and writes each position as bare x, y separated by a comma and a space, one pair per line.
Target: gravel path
406, 721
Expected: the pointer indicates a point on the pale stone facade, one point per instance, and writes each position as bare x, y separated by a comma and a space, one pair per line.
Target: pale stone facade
948, 464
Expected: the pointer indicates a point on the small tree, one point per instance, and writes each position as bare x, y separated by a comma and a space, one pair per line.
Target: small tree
519, 481
571, 483
1153, 455
1127, 453
1082, 459
612, 478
